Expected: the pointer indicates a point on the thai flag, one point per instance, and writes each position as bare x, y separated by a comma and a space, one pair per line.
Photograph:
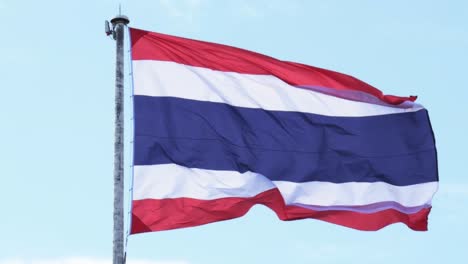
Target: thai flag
219, 129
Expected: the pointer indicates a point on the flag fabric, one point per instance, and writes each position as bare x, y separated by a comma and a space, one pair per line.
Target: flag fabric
220, 129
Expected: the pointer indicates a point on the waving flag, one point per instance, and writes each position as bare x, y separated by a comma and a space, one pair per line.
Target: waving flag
219, 129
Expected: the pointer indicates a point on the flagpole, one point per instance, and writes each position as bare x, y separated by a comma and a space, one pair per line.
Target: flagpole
119, 22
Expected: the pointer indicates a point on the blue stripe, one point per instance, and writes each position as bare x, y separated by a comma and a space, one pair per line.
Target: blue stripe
299, 147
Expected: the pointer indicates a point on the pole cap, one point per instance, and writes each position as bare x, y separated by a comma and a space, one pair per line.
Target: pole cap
120, 19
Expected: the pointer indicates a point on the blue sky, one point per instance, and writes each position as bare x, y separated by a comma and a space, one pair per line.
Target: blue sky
56, 136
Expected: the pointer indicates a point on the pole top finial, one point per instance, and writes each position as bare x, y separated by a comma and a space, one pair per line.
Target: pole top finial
120, 19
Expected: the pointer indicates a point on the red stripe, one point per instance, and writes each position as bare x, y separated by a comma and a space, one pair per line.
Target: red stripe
156, 215
156, 46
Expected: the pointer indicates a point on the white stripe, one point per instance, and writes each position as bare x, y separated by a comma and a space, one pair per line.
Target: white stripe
174, 181
355, 193
162, 78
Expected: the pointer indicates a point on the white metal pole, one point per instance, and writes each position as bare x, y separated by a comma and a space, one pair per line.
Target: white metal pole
119, 23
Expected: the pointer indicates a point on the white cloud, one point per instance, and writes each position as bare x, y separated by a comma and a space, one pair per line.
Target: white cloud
84, 260
453, 189
290, 8
186, 10
170, 8
261, 9
249, 10
326, 252
447, 202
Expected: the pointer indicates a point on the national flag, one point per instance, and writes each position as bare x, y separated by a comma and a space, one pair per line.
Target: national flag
219, 129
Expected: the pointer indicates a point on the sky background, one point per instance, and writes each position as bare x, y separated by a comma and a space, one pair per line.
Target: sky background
57, 113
